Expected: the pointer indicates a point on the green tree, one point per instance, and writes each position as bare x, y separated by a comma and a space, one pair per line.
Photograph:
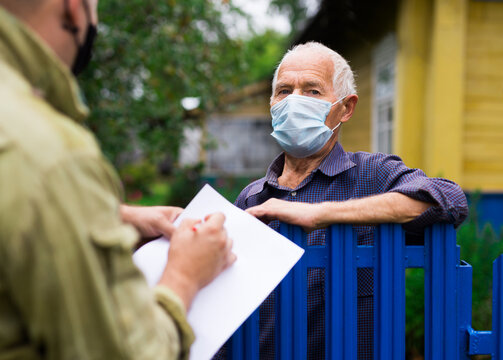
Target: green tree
149, 55
295, 9
262, 54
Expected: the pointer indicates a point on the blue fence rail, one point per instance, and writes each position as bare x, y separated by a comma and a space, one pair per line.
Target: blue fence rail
447, 298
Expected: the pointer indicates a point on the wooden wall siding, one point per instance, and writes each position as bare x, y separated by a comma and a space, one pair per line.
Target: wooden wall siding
483, 105
413, 42
355, 134
443, 135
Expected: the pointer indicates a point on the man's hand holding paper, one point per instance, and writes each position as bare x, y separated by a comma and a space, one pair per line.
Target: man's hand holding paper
198, 253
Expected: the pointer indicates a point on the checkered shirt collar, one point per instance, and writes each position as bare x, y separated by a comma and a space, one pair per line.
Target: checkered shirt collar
336, 162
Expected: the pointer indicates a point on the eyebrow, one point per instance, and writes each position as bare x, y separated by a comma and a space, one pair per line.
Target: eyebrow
313, 83
282, 85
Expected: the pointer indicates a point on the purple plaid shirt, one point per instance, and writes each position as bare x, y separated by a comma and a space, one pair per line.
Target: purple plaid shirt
343, 176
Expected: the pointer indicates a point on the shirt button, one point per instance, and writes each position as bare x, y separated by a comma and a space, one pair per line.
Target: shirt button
293, 193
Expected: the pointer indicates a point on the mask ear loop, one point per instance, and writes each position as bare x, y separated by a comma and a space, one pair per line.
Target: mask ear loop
335, 103
338, 101
336, 126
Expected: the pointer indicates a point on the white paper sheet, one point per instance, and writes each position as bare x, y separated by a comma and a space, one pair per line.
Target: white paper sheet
264, 257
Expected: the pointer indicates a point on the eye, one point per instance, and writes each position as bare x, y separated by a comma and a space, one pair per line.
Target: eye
314, 92
284, 92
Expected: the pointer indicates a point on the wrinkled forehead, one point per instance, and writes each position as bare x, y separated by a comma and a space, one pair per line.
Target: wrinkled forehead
306, 62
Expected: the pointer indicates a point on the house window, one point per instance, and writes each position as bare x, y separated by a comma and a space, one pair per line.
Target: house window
384, 92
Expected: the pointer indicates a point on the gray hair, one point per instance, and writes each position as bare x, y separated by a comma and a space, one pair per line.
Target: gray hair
344, 79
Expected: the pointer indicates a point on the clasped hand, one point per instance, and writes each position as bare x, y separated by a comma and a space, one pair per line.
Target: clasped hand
297, 213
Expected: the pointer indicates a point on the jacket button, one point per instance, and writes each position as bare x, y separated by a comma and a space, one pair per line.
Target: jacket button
293, 193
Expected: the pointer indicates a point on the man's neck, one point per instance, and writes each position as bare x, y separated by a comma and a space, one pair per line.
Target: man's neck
295, 170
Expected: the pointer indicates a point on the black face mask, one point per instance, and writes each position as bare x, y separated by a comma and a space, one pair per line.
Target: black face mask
85, 50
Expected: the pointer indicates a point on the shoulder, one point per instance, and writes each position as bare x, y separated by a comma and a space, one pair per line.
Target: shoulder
41, 152
39, 133
372, 159
374, 163
251, 189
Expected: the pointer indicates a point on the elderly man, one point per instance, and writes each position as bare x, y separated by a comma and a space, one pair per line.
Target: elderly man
315, 183
68, 287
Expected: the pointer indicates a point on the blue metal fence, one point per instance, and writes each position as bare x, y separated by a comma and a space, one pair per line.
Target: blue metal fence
447, 285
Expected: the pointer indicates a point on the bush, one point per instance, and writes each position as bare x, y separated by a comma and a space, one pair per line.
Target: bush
137, 179
480, 249
229, 186
184, 185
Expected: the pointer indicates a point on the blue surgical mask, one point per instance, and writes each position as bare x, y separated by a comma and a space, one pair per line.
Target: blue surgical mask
299, 124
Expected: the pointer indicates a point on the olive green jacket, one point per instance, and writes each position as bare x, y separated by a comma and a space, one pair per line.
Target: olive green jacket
68, 286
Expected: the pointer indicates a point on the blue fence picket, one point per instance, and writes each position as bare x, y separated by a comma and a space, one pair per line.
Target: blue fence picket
291, 305
497, 307
448, 287
389, 291
341, 293
251, 337
236, 343
440, 293
464, 306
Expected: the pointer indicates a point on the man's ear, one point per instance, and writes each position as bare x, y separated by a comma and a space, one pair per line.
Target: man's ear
349, 105
70, 14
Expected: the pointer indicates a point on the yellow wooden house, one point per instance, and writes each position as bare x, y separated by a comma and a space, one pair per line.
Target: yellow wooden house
430, 82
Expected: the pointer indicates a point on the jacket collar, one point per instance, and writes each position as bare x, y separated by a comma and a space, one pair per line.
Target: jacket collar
25, 53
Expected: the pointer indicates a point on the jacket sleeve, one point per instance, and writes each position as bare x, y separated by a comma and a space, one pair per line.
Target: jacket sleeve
448, 200
71, 275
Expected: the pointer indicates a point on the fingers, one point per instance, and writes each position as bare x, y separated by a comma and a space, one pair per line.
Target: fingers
263, 211
216, 219
167, 229
255, 210
260, 214
213, 224
231, 259
229, 243
173, 212
188, 224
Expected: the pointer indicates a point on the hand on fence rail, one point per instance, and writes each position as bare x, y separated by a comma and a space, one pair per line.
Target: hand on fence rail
383, 208
301, 214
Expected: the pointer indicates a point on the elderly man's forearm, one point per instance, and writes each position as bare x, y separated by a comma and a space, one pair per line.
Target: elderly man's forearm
389, 207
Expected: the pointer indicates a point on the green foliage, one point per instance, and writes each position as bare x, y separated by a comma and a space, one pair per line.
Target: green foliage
137, 178
262, 54
148, 56
480, 249
229, 186
296, 10
414, 311
157, 194
184, 185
